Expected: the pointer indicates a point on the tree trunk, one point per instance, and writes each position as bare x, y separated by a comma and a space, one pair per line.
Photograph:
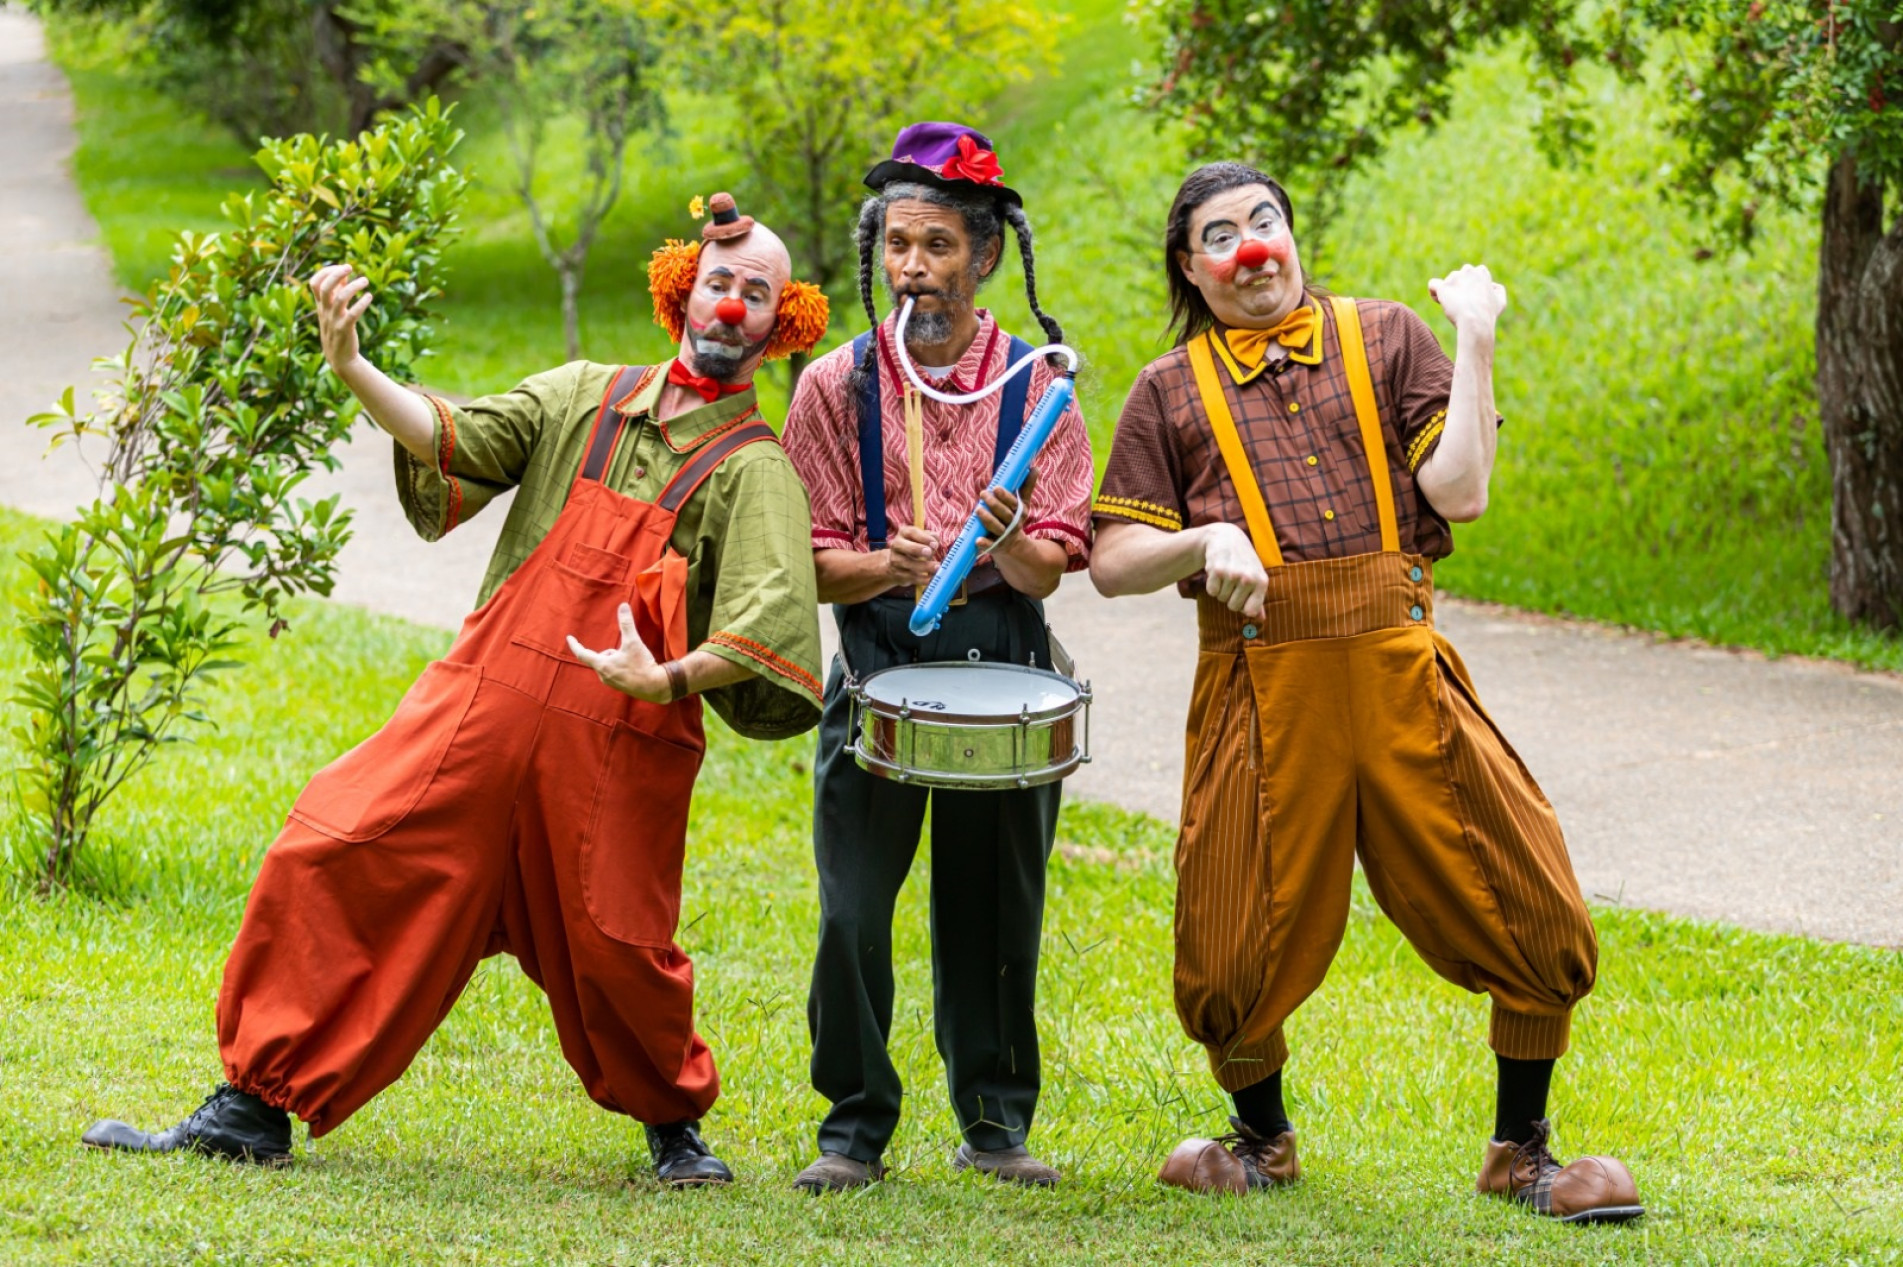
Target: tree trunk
1860, 396
570, 274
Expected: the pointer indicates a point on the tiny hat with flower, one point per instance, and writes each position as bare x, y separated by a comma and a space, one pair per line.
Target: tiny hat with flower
949, 156
803, 311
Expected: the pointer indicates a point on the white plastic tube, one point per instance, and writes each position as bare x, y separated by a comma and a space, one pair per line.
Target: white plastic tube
996, 384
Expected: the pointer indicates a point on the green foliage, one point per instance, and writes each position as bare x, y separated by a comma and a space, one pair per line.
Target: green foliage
819, 93
1769, 91
273, 67
212, 418
545, 61
1308, 87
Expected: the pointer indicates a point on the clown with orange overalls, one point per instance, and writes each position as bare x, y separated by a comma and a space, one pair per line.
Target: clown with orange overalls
1293, 465
531, 793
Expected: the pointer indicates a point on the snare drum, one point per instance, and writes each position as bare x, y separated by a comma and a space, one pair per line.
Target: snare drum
970, 726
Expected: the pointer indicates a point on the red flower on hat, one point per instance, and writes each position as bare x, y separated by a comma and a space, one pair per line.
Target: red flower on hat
973, 164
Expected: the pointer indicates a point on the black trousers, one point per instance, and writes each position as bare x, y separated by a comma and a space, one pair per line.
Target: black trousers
989, 852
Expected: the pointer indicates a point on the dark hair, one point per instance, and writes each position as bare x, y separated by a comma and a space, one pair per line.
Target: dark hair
985, 219
1189, 312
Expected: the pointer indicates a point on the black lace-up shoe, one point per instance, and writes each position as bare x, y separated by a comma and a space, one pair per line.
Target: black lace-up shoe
682, 1159
229, 1124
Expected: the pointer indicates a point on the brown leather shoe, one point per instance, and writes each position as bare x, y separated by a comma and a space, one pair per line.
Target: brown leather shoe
836, 1172
1236, 1163
1006, 1165
1589, 1190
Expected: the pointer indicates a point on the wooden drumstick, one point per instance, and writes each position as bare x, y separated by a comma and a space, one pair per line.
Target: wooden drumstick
915, 457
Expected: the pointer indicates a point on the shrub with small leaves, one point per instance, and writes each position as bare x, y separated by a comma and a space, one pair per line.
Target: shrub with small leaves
212, 419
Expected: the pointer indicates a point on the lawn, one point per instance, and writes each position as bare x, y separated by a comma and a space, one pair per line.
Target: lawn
1749, 1080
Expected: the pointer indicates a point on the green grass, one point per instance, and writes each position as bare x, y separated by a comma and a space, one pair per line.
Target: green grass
1749, 1080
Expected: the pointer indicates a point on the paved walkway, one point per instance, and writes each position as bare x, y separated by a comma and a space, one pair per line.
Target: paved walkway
1708, 783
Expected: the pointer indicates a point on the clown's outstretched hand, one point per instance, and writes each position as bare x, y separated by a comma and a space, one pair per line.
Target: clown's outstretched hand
340, 299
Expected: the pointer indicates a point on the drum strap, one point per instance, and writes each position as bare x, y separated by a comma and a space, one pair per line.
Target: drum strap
865, 356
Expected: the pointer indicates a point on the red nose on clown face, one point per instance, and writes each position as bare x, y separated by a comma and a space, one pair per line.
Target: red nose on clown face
1253, 253
731, 311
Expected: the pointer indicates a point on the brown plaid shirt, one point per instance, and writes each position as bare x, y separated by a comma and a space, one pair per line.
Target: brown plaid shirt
1298, 426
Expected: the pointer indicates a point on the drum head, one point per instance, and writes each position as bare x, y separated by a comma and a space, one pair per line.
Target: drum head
971, 690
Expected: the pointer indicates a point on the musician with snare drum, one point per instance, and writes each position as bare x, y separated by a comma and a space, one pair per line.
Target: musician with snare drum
887, 506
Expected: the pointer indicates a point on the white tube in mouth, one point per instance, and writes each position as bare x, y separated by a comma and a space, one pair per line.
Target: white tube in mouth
996, 384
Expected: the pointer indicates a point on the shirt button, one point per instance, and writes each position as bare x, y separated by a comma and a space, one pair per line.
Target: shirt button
1414, 574
1312, 459
1328, 514
640, 472
1415, 611
1248, 631
1294, 407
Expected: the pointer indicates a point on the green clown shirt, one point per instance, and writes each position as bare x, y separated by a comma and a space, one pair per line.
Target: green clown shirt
746, 535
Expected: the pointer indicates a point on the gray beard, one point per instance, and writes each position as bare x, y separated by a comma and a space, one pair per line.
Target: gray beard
718, 361
930, 329
927, 329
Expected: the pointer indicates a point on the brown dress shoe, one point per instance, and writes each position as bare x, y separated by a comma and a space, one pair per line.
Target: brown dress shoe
1007, 1165
1589, 1190
836, 1172
1236, 1163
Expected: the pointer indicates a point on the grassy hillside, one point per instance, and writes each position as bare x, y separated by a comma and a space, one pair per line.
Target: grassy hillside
1662, 465
1711, 1060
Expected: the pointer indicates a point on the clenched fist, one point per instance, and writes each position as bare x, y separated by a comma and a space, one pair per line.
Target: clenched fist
1470, 297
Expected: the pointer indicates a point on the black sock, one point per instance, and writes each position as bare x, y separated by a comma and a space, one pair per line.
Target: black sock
1522, 1098
1260, 1106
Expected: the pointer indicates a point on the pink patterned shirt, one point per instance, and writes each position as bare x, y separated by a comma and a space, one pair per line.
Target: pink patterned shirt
822, 438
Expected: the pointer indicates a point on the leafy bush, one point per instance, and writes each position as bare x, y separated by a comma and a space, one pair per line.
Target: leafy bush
213, 417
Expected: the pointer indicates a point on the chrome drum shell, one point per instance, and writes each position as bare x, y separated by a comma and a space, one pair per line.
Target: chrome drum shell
970, 725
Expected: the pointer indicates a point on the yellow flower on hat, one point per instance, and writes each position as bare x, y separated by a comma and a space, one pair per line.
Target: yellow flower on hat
698, 207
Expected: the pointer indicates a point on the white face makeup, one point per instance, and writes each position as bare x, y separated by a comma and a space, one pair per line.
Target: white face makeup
1221, 237
1242, 258
735, 303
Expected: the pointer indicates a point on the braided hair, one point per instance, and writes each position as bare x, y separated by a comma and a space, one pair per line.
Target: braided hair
985, 220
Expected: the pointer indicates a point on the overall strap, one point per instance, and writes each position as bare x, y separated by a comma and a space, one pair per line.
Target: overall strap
1011, 403
609, 424
865, 355
1354, 358
702, 464
1255, 510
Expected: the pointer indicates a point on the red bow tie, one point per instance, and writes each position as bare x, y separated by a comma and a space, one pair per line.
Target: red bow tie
710, 389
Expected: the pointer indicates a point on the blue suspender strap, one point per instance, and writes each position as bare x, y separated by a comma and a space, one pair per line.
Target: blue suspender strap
1011, 403
871, 440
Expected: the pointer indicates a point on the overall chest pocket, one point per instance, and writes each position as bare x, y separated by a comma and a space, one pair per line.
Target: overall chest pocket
576, 594
370, 789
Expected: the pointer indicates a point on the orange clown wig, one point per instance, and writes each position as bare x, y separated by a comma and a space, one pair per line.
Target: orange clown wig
803, 312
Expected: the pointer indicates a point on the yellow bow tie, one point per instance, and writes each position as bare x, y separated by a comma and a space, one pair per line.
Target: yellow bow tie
1296, 330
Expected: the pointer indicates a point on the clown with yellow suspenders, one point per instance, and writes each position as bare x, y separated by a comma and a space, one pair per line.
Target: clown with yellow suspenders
1293, 465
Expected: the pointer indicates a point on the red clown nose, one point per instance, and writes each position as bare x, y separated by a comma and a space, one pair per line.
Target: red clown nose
731, 311
1253, 254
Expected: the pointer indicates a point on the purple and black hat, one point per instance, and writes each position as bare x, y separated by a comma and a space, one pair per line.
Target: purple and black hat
950, 156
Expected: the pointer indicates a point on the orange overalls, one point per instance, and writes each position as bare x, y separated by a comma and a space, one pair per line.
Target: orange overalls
1339, 722
514, 802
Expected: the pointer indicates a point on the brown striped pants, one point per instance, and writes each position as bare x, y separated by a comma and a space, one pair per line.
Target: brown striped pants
1340, 723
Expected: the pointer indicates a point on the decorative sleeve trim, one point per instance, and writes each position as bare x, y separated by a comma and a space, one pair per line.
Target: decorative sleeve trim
778, 665
1077, 540
1141, 511
445, 451
1418, 450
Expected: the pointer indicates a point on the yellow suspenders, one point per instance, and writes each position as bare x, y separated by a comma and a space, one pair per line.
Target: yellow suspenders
1255, 510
